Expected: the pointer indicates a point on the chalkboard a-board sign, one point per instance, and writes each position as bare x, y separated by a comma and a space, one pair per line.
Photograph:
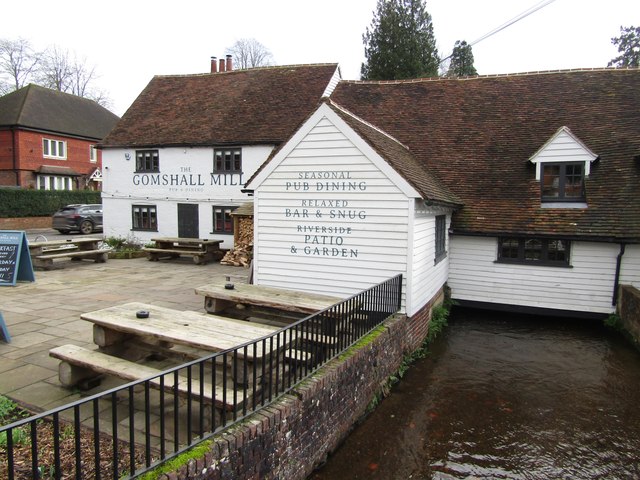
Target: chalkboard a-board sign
15, 262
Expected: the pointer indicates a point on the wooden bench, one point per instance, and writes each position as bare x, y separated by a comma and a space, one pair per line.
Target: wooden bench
78, 364
43, 254
46, 260
202, 250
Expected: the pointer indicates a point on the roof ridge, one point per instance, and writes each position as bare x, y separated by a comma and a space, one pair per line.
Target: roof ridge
268, 67
491, 75
368, 124
23, 103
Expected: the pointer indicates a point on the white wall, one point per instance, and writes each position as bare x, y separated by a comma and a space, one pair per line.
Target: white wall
426, 279
367, 245
186, 176
587, 286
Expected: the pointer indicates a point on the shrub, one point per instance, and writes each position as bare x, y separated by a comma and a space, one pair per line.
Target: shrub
130, 243
16, 203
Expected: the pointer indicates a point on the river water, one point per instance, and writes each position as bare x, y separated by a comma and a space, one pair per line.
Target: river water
505, 396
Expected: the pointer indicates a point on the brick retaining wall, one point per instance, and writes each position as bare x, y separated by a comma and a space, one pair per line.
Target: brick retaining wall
294, 435
24, 223
629, 309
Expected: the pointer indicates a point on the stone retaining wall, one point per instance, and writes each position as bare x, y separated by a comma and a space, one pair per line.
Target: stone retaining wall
294, 435
24, 223
629, 310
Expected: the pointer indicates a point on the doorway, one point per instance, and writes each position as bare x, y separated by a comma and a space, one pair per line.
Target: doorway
188, 221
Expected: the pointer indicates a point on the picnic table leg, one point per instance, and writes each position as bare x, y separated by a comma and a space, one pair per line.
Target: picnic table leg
71, 375
215, 305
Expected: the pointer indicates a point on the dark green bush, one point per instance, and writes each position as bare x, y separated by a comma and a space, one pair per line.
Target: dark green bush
41, 203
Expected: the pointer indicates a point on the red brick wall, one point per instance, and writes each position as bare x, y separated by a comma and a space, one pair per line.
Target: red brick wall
24, 223
293, 436
6, 151
31, 157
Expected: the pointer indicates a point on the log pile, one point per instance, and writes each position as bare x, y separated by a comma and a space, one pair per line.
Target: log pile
242, 253
238, 256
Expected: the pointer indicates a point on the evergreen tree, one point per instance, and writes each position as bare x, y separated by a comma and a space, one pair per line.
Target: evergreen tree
628, 44
400, 42
461, 60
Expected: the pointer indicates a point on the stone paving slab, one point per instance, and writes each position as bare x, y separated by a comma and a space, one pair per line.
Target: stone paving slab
46, 313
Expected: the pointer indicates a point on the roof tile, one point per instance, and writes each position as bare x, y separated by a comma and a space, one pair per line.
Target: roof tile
240, 107
476, 134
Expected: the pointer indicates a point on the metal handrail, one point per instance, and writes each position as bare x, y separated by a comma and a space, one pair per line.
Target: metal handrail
221, 390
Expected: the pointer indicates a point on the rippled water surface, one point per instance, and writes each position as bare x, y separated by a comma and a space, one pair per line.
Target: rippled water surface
506, 396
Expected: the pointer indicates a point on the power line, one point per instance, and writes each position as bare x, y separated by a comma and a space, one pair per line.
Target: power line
508, 23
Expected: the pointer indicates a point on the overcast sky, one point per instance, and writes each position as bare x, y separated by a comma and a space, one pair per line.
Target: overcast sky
131, 41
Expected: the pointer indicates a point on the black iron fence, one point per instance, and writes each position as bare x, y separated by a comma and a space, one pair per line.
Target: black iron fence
129, 429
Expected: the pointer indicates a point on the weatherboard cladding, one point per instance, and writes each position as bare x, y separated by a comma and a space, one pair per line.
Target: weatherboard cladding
39, 108
241, 107
476, 135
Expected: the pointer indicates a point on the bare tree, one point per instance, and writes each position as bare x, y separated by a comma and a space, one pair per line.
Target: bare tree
56, 69
18, 63
60, 70
250, 53
81, 77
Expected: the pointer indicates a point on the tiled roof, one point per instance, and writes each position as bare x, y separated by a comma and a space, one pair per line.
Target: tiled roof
241, 107
401, 159
476, 135
41, 108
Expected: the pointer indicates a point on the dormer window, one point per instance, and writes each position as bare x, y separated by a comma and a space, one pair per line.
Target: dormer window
562, 165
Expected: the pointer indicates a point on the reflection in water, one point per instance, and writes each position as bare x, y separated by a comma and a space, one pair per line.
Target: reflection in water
506, 396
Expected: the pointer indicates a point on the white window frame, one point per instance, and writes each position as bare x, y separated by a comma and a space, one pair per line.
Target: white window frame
54, 182
52, 148
93, 154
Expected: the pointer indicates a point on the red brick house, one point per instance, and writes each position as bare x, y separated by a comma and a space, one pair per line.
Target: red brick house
48, 138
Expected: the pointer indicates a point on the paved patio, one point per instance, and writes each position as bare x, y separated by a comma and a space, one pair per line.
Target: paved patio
46, 313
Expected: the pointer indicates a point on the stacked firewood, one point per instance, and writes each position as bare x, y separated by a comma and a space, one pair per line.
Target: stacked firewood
242, 253
238, 256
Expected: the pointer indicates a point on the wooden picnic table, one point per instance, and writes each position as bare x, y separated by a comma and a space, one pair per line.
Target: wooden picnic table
192, 329
44, 253
118, 330
218, 298
202, 250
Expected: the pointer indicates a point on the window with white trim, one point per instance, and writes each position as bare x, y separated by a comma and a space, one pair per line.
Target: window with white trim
93, 154
54, 148
54, 182
563, 164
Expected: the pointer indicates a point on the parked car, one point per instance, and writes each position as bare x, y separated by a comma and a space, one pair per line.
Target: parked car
82, 218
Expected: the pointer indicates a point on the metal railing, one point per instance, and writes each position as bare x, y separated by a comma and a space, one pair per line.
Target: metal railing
125, 431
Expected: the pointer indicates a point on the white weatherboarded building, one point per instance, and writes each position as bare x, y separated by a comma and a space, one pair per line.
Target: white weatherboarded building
187, 196
333, 216
176, 163
515, 191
